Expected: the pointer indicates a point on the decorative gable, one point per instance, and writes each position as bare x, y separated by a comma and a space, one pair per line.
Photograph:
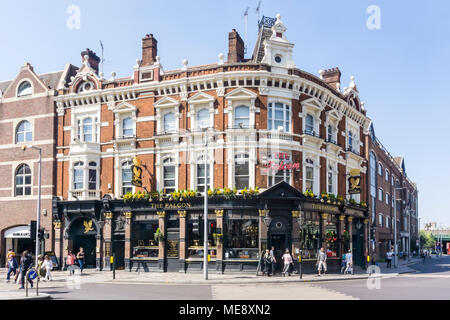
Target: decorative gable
281, 190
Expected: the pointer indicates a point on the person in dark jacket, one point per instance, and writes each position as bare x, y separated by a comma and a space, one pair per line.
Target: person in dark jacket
273, 260
12, 266
26, 263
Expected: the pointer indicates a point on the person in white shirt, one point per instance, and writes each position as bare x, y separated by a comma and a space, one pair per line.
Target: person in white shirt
48, 266
348, 261
389, 259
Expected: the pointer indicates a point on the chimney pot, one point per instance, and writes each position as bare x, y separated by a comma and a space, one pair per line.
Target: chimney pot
149, 50
92, 58
235, 47
332, 77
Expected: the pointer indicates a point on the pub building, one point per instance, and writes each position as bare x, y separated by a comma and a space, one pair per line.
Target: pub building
283, 164
239, 230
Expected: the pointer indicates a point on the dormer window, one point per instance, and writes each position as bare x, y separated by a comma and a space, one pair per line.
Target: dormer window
25, 89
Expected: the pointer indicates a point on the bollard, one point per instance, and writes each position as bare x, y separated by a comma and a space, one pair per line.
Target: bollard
300, 271
113, 262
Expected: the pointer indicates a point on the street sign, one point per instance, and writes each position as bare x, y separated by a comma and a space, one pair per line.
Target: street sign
32, 275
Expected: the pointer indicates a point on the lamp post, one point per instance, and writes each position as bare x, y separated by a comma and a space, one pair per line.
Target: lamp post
38, 205
395, 228
301, 221
205, 212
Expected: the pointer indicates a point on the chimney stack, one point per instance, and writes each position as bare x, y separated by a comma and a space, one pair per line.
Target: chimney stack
235, 47
93, 59
332, 77
149, 50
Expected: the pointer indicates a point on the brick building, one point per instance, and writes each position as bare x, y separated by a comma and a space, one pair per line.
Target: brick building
275, 127
387, 175
27, 119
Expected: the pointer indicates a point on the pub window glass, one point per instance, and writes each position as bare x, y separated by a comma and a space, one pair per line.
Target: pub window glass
331, 236
310, 236
142, 239
195, 239
241, 241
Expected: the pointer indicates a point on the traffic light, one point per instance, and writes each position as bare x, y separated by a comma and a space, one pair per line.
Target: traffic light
212, 228
33, 229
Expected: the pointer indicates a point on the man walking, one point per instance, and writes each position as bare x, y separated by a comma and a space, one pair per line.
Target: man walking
12, 266
389, 259
25, 264
321, 262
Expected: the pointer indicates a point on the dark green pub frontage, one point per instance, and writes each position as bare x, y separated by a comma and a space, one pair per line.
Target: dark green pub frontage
167, 236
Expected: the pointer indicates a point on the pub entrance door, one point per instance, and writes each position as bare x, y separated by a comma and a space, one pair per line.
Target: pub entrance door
88, 243
280, 239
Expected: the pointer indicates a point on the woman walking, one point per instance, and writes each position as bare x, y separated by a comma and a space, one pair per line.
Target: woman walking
25, 265
48, 266
80, 258
287, 259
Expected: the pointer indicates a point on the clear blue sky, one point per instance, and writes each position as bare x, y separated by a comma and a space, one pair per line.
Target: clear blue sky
402, 70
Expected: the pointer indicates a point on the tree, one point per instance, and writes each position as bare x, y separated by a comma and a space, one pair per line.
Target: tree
426, 239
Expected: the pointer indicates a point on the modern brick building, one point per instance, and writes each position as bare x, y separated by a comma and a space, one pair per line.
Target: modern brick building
275, 127
27, 119
388, 179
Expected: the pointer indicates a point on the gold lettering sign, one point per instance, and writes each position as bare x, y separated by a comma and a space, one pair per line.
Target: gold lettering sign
170, 205
324, 208
137, 176
172, 248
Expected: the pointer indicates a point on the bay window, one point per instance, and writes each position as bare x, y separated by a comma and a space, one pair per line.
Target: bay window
78, 176
87, 130
127, 177
92, 176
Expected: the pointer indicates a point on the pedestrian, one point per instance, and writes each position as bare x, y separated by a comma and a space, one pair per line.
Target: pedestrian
25, 264
267, 262
321, 262
40, 270
9, 254
12, 266
288, 262
348, 262
70, 261
389, 259
48, 265
343, 263
273, 260
80, 258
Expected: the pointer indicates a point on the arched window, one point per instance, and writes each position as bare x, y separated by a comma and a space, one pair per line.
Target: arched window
169, 181
126, 177
169, 122
127, 127
23, 132
279, 117
387, 175
380, 169
241, 171
202, 170
23, 180
241, 117
78, 176
203, 120
309, 175
87, 130
25, 89
92, 182
309, 124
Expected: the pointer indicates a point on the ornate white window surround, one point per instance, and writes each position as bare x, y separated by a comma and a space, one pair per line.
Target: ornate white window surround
241, 97
122, 111
197, 103
163, 106
85, 192
313, 107
316, 173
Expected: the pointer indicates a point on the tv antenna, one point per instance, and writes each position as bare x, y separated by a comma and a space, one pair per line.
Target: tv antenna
258, 9
246, 29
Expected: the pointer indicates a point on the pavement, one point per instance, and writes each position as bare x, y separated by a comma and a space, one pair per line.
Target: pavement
62, 282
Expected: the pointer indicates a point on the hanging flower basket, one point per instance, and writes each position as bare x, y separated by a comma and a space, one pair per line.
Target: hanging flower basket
158, 235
